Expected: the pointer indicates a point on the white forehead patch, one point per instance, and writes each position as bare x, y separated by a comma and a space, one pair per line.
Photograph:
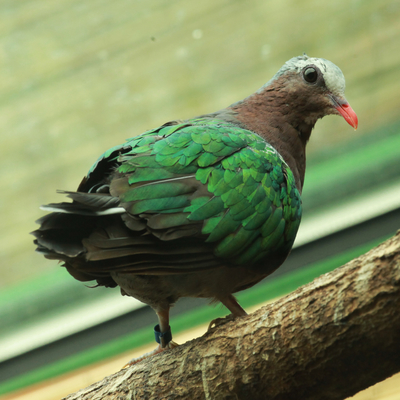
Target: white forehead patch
333, 76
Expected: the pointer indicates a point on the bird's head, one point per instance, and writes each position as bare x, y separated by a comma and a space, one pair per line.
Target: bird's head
316, 87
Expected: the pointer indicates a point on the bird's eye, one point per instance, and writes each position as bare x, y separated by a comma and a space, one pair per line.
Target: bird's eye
310, 75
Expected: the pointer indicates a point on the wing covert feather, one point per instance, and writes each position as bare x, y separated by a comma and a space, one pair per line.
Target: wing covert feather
231, 186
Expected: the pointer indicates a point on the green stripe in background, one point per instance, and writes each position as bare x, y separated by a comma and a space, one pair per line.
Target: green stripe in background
256, 295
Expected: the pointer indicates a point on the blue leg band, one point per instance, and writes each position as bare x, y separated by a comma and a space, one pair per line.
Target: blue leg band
166, 336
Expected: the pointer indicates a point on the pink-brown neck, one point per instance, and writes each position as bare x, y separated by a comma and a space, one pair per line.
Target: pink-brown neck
283, 119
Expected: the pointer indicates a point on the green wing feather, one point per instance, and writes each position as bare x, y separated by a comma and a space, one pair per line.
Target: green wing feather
212, 174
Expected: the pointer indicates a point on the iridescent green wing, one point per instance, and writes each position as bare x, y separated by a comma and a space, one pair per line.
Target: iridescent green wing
260, 206
214, 179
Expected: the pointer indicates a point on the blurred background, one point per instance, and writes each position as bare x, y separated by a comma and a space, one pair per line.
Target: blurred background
77, 78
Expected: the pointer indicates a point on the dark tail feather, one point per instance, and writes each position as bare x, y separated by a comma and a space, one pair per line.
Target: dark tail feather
94, 236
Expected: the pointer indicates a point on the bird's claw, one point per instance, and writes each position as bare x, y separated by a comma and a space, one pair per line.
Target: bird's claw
157, 350
220, 321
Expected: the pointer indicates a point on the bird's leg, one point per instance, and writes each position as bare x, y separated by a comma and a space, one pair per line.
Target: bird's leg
233, 306
162, 330
163, 336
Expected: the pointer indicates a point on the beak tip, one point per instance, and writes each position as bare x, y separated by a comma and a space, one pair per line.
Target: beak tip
354, 123
348, 114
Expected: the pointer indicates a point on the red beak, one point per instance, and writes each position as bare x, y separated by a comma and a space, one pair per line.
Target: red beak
345, 110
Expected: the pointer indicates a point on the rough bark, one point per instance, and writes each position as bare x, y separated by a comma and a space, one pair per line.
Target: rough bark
327, 340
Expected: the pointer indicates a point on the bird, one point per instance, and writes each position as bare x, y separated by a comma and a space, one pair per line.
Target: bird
203, 207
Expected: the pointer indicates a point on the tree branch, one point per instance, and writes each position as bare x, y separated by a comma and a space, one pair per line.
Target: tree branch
327, 340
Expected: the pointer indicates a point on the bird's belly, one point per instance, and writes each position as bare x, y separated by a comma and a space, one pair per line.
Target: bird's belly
165, 290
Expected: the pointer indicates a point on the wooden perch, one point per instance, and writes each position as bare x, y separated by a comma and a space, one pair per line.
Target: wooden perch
327, 340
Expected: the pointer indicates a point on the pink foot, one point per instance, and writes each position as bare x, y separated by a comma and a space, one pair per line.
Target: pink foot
220, 321
157, 350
